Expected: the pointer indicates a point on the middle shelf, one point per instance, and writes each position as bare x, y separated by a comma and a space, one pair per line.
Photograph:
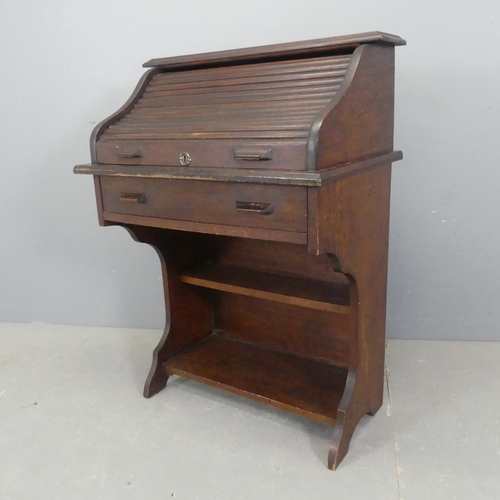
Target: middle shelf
313, 294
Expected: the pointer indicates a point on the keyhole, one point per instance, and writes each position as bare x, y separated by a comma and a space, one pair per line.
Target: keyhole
185, 159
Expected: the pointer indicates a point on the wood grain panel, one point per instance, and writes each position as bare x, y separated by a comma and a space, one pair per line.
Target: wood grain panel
283, 327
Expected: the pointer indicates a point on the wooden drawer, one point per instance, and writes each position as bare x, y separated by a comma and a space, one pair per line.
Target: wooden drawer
282, 155
282, 208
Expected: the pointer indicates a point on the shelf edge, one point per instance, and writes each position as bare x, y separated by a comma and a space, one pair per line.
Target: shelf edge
266, 295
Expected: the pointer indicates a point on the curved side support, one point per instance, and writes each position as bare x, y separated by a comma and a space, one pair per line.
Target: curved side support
188, 311
349, 412
351, 227
344, 425
104, 124
358, 121
157, 377
364, 386
314, 131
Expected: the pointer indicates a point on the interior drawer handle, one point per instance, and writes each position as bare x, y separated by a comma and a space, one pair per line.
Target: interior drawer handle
134, 197
252, 154
129, 153
255, 207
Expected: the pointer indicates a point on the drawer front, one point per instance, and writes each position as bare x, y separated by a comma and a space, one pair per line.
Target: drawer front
284, 155
281, 208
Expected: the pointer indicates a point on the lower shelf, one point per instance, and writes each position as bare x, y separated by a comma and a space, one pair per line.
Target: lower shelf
303, 386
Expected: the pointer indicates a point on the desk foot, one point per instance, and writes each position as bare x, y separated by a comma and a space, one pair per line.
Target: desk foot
340, 442
373, 411
188, 312
345, 424
156, 381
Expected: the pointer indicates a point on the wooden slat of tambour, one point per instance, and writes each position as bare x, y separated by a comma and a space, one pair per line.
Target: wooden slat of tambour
165, 79
222, 111
169, 82
230, 79
286, 86
208, 126
217, 95
215, 86
216, 135
300, 385
218, 118
204, 123
172, 119
165, 85
223, 108
269, 101
206, 131
217, 112
291, 142
272, 121
321, 95
202, 126
327, 79
207, 84
250, 117
320, 295
242, 99
298, 91
272, 99
263, 69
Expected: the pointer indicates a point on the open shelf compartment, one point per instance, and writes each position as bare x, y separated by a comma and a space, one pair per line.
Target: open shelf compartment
300, 385
314, 294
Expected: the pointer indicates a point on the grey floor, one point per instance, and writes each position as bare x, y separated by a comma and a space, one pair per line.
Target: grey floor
74, 426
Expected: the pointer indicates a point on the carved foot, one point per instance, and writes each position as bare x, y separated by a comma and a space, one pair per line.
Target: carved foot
342, 433
156, 381
339, 446
374, 409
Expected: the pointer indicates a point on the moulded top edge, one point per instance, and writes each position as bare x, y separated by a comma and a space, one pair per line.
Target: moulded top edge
307, 47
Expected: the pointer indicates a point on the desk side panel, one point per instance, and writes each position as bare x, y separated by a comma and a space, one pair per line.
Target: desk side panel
359, 121
351, 224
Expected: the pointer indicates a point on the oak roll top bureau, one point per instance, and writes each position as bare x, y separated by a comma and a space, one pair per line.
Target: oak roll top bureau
262, 178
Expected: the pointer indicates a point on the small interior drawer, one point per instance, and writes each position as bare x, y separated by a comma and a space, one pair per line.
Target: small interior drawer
281, 208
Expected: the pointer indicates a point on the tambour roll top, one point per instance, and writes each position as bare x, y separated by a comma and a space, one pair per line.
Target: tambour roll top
261, 108
274, 100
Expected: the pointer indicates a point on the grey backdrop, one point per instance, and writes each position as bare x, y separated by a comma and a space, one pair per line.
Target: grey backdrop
67, 64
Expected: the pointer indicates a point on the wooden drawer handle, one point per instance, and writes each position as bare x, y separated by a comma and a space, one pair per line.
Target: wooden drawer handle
255, 207
134, 197
252, 154
129, 153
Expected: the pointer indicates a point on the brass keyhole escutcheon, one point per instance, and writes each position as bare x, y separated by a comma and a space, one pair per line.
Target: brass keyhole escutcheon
185, 159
